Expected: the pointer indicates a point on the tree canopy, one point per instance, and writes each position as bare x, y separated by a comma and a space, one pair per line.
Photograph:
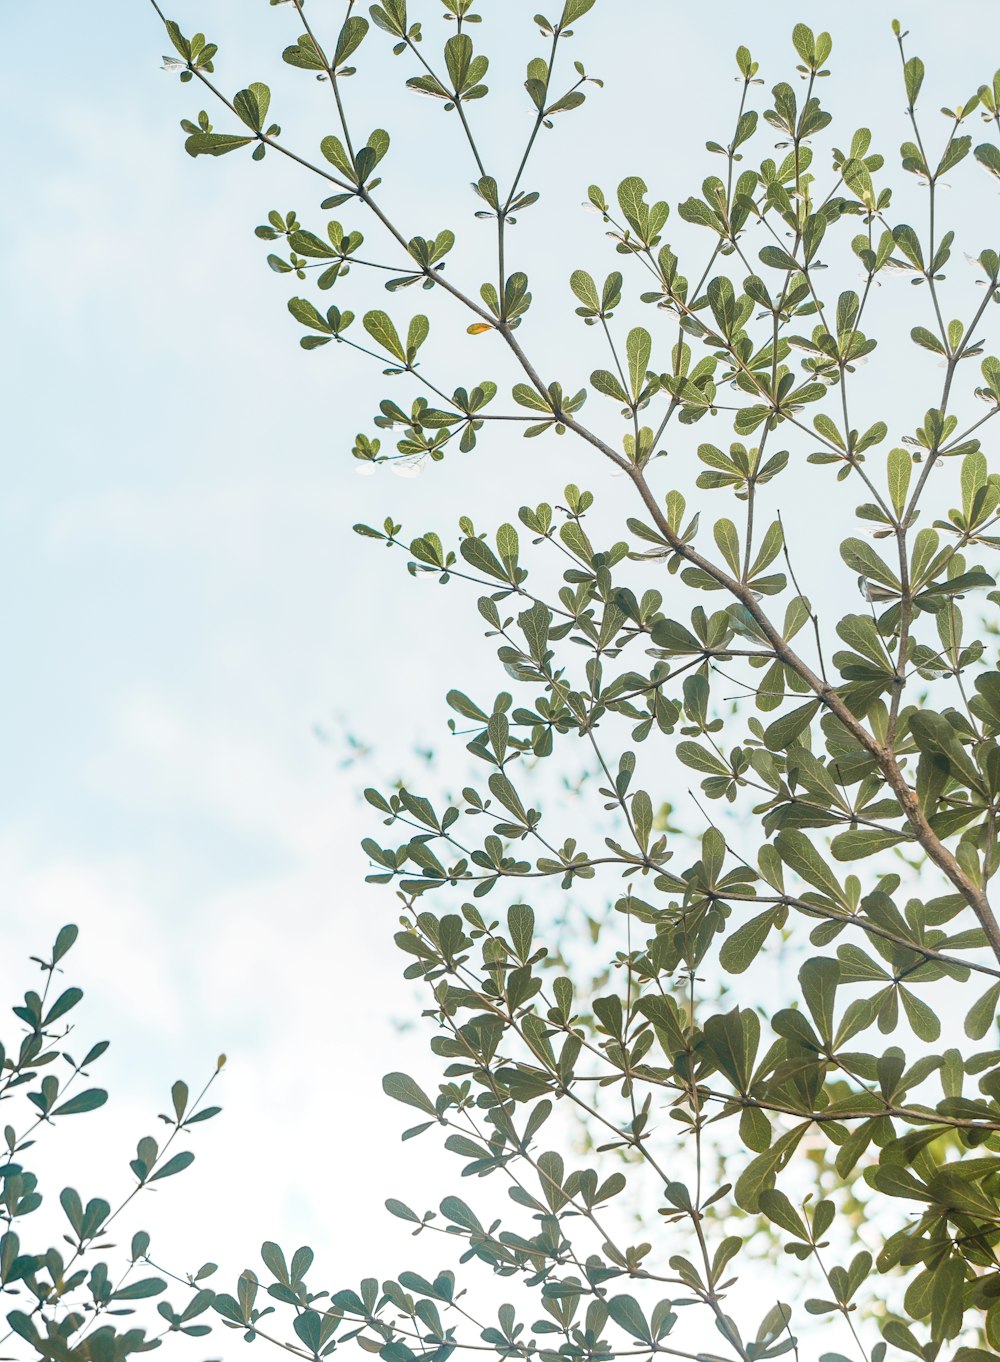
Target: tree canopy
842, 828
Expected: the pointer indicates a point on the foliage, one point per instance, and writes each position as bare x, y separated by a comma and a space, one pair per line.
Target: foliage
857, 772
75, 1306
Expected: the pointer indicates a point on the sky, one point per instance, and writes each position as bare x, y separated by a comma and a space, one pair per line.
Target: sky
190, 625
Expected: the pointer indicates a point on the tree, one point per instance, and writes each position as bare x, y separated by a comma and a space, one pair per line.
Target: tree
67, 1307
848, 793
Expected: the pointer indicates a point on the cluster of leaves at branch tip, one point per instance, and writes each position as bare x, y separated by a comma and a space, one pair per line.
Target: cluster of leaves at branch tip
853, 762
79, 1303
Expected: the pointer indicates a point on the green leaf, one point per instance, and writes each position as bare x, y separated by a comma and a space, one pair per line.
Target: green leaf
177, 38
142, 1290
252, 105
733, 1038
179, 1098
379, 326
913, 77
784, 731
521, 925
177, 1164
64, 941
575, 9
215, 143
923, 1019
860, 633
866, 562
631, 193
934, 735
455, 1210
352, 34
336, 153
701, 759
528, 397
771, 545
927, 340
988, 157
982, 1014
975, 473
947, 1297
642, 817
63, 1004
70, 1201
458, 56
391, 17
303, 311
481, 556
304, 54
760, 1173
627, 1314
274, 1260
818, 979
638, 349
419, 330
402, 1088
308, 1328
798, 851
508, 547
535, 624
401, 1211
778, 259
777, 1207
88, 1100
728, 541
899, 468
607, 383
24, 1325
861, 842
804, 42
585, 289
308, 243
742, 947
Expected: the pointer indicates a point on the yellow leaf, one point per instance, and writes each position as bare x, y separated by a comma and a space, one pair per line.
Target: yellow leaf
477, 328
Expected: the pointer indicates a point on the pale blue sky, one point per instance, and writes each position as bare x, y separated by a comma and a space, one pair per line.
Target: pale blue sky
184, 598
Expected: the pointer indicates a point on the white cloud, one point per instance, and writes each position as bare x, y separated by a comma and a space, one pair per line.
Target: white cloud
291, 974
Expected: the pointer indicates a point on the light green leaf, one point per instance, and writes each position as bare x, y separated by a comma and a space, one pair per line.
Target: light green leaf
638, 348
535, 624
899, 467
913, 77
352, 34
728, 540
335, 152
380, 327
642, 817
585, 289
418, 332
508, 546
575, 9
214, 143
